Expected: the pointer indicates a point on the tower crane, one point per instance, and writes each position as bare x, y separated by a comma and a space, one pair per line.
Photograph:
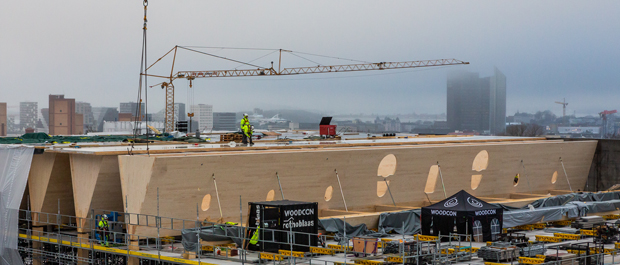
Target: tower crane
564, 104
256, 71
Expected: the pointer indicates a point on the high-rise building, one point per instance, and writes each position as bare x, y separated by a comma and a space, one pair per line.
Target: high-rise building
179, 112
4, 124
63, 120
131, 107
28, 115
45, 113
203, 113
86, 110
103, 114
476, 104
225, 121
497, 112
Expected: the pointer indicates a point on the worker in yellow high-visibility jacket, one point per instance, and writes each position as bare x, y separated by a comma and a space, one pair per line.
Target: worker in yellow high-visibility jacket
247, 133
104, 228
243, 126
254, 239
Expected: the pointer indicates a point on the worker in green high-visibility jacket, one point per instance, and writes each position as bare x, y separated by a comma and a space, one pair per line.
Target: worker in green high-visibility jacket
104, 228
244, 126
254, 239
249, 130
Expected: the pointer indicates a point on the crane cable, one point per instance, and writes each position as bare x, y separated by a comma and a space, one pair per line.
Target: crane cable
143, 73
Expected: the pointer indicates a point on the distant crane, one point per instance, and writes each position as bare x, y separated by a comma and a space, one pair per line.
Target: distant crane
564, 104
256, 70
603, 115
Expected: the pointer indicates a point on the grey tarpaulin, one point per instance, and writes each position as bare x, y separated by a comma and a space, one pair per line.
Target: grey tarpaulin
211, 233
554, 208
14, 167
335, 225
389, 222
596, 206
526, 216
582, 197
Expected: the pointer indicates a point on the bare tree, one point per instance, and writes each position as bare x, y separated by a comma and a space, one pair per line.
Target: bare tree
525, 130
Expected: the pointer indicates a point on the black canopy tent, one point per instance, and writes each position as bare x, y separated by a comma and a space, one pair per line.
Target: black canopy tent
467, 213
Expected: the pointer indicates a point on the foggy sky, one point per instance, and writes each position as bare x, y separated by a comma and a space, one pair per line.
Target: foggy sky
90, 51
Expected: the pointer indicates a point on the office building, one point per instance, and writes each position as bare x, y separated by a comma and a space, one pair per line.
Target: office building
86, 110
203, 113
4, 124
225, 121
476, 104
28, 115
103, 114
179, 112
131, 107
63, 120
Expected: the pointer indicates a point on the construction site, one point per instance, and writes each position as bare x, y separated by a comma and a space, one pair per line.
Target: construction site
162, 196
332, 201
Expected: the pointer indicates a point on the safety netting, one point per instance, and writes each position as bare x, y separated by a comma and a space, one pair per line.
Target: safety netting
15, 163
43, 138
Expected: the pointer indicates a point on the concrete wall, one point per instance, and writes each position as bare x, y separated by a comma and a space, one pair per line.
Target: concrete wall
605, 169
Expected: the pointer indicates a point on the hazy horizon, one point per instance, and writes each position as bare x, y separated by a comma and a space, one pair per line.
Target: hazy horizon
90, 51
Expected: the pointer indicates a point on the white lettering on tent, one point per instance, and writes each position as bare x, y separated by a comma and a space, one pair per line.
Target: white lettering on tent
485, 212
298, 212
443, 212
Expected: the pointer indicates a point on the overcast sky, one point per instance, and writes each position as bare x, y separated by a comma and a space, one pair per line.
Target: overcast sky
90, 51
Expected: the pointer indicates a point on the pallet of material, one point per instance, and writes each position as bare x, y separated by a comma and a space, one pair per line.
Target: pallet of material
588, 222
231, 137
565, 258
526, 260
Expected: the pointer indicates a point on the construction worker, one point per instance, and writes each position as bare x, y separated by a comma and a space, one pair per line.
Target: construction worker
249, 130
254, 238
242, 125
104, 228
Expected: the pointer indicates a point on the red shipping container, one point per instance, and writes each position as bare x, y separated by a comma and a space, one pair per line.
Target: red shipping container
325, 129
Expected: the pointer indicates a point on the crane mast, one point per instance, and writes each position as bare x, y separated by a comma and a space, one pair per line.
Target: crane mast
261, 71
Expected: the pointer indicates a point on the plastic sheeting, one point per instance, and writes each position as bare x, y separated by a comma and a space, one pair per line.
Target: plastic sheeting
393, 222
568, 205
15, 163
337, 226
212, 233
527, 216
572, 197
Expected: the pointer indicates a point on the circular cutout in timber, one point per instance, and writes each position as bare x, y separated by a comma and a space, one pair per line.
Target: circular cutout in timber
206, 202
515, 181
481, 161
328, 193
387, 167
270, 195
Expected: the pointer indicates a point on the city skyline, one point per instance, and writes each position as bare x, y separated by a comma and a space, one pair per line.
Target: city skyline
548, 51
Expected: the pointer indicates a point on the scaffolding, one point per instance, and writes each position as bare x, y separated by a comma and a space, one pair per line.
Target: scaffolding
52, 238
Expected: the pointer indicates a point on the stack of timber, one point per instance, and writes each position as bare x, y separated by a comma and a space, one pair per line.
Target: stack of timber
588, 222
565, 258
498, 251
236, 137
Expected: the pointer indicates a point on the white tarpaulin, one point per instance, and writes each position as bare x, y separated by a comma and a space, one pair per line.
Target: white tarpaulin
14, 167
